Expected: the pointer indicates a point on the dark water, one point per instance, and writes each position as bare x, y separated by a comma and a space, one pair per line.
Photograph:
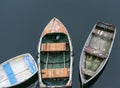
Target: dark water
22, 21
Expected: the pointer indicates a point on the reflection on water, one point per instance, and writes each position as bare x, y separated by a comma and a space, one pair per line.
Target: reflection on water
34, 85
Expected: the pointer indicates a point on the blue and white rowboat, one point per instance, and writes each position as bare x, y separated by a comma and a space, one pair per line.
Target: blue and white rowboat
17, 70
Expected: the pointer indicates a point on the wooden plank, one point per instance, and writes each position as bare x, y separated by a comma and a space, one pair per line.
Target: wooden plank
104, 34
53, 47
55, 73
54, 26
95, 52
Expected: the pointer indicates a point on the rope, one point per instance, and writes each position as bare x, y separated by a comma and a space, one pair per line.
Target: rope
47, 61
64, 58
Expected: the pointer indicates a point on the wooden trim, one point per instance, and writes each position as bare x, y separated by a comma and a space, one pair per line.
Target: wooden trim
54, 26
95, 52
55, 73
104, 34
46, 47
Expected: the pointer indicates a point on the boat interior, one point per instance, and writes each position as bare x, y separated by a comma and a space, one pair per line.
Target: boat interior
55, 59
15, 70
97, 50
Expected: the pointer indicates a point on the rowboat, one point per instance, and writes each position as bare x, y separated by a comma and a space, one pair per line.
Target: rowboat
55, 58
17, 70
96, 51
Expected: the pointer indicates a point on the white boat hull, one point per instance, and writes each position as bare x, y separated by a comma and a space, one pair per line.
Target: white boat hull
17, 70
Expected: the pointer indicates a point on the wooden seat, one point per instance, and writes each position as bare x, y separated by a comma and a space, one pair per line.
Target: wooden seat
46, 47
104, 34
107, 26
55, 73
88, 72
95, 52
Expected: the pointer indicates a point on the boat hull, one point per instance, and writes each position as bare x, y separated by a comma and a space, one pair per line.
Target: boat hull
55, 58
17, 70
96, 51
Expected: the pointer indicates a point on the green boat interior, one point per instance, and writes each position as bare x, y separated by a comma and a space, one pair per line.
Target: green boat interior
55, 59
97, 50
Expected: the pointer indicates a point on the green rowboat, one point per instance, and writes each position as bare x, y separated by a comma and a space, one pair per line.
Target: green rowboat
55, 56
